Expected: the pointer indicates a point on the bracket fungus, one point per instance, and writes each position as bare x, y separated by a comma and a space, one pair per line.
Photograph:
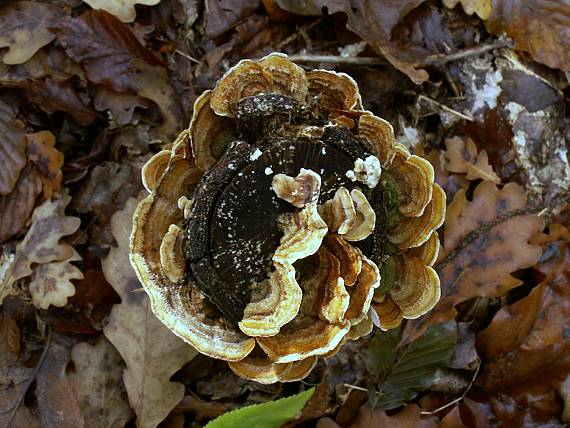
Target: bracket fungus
285, 221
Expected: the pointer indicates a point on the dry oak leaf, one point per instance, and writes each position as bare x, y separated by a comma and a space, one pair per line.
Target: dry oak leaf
462, 158
152, 352
530, 337
24, 28
40, 247
486, 239
113, 56
539, 27
122, 9
12, 148
41, 151
98, 385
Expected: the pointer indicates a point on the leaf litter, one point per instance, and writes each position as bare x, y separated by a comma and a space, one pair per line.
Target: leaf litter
90, 90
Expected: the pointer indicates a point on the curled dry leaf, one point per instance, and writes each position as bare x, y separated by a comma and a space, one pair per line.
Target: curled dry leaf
12, 148
152, 352
98, 385
462, 158
112, 56
40, 247
486, 239
24, 28
408, 417
124, 9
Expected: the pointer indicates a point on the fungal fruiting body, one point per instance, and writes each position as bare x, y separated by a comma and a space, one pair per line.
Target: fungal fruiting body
285, 221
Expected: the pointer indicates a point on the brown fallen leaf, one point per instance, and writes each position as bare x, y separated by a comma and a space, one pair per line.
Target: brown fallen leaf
57, 405
537, 27
24, 28
530, 336
409, 417
14, 376
152, 353
124, 9
17, 206
40, 247
48, 161
462, 158
54, 95
486, 239
12, 148
98, 384
113, 56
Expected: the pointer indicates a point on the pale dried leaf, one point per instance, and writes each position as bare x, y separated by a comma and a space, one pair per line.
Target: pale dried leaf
122, 9
98, 385
24, 28
462, 158
41, 244
51, 284
482, 8
151, 351
12, 148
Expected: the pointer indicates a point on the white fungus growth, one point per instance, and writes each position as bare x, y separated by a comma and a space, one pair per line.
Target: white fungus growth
366, 171
268, 171
255, 155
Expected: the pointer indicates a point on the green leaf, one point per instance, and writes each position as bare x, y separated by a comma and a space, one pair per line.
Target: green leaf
267, 415
406, 370
381, 352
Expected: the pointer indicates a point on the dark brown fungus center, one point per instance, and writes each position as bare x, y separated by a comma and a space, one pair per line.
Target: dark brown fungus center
232, 232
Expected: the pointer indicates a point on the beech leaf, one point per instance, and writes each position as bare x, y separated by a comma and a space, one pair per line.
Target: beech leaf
402, 370
152, 352
122, 9
98, 384
272, 414
24, 28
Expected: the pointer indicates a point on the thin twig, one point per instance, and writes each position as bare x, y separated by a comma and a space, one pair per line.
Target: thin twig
358, 388
18, 403
440, 59
436, 59
445, 108
188, 57
458, 399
